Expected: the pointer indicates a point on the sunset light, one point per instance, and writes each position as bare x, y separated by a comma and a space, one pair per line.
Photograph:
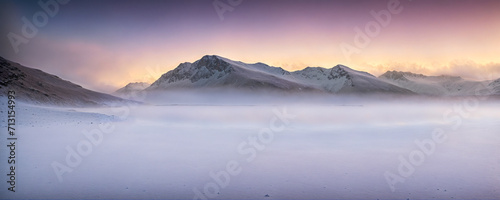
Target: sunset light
111, 43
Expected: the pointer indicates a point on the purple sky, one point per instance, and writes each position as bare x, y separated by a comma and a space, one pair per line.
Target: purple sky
103, 45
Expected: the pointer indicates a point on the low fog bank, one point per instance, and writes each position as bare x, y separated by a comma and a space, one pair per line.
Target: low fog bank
333, 148
268, 97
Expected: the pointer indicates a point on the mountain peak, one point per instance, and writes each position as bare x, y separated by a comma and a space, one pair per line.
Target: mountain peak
212, 62
131, 88
403, 76
342, 67
211, 57
135, 86
346, 71
397, 75
339, 71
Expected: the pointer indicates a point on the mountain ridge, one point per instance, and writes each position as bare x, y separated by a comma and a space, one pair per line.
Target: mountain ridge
442, 85
215, 71
36, 86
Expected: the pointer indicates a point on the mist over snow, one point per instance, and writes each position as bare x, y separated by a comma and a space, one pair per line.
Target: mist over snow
331, 147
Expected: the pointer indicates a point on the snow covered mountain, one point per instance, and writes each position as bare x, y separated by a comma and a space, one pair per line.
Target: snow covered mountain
215, 71
494, 87
131, 88
436, 85
36, 86
218, 72
342, 79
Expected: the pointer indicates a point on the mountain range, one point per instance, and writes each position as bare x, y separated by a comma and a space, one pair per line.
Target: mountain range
213, 71
216, 72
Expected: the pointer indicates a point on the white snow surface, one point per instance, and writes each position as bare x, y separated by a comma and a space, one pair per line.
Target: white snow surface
329, 150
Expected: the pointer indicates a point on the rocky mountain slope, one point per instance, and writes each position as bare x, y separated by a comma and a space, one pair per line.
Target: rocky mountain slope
36, 86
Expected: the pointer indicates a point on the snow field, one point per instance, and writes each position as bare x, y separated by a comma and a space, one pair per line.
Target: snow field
326, 151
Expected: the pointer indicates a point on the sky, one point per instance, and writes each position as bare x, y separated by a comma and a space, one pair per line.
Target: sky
103, 45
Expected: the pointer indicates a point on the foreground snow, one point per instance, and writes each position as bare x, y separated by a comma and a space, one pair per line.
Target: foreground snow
309, 151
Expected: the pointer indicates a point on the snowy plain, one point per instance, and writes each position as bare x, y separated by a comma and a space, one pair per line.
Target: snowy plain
334, 149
